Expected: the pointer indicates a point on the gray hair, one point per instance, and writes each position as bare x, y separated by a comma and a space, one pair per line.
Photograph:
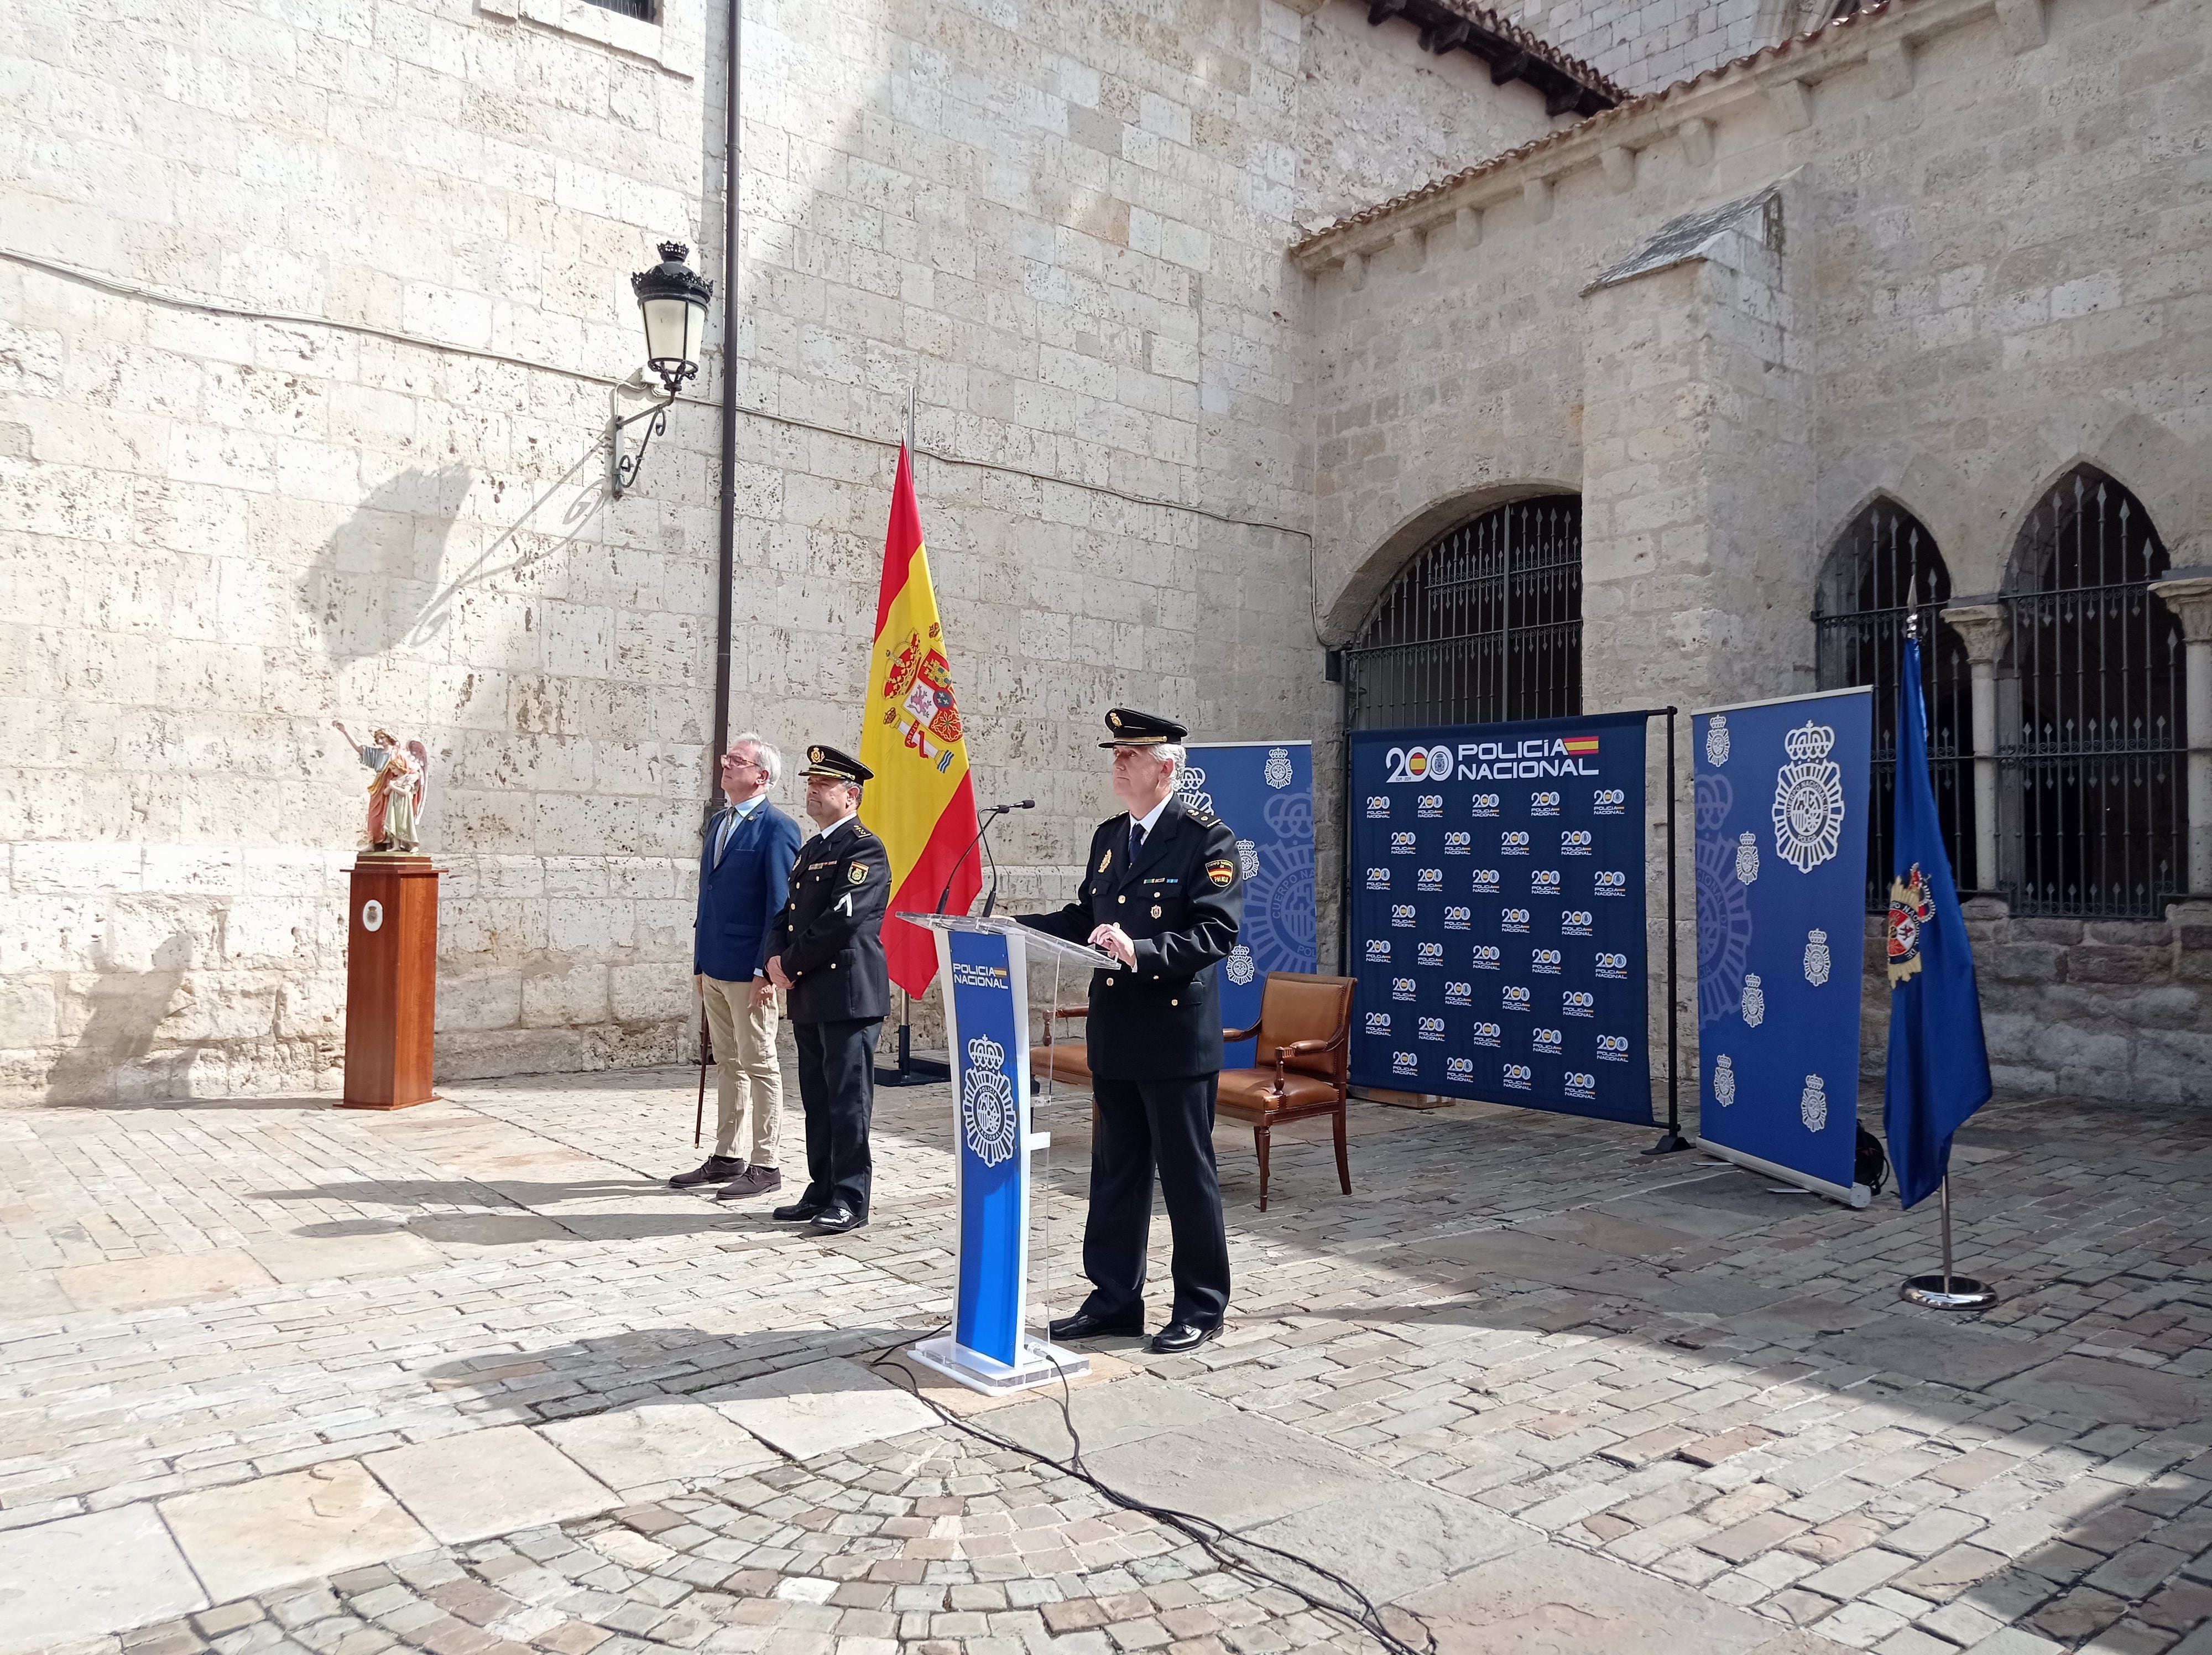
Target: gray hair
1169, 752
771, 760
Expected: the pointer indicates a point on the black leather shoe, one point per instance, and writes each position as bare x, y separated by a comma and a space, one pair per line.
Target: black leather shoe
799, 1212
836, 1220
1177, 1337
715, 1169
1083, 1325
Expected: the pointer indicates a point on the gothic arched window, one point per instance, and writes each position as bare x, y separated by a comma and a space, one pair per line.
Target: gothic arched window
2096, 805
1885, 554
1485, 624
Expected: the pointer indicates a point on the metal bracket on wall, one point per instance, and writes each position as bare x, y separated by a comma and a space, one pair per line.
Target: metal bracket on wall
623, 469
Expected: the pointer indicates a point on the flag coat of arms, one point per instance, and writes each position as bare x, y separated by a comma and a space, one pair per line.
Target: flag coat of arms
921, 804
1939, 1067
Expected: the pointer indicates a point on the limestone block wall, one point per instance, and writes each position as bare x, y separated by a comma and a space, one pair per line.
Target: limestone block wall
2094, 1008
1647, 44
310, 324
2003, 274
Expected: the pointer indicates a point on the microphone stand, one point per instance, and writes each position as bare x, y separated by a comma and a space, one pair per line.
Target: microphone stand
926, 1071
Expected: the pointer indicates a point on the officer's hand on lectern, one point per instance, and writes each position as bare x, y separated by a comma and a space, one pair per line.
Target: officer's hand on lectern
1115, 941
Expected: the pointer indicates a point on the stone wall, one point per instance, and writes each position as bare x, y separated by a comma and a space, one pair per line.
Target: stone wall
1987, 267
309, 323
2094, 1009
1644, 45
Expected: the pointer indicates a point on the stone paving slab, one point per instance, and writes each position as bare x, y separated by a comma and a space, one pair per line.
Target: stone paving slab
274, 1531
1556, 1602
645, 1452
486, 1483
823, 1407
126, 1284
1730, 1405
1394, 1542
85, 1576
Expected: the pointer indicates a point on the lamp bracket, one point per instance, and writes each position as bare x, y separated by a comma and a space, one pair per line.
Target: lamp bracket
623, 469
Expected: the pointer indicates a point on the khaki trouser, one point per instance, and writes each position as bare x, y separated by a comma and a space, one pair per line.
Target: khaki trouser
748, 1092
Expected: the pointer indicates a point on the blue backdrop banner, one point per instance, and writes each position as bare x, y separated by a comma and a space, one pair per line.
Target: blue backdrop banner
1782, 865
1496, 920
990, 1071
1264, 791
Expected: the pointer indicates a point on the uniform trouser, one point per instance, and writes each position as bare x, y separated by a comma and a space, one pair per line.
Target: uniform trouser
748, 1080
837, 1089
1143, 1125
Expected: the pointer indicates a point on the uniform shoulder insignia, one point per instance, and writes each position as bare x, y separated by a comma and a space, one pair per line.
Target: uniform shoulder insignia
1204, 819
1221, 873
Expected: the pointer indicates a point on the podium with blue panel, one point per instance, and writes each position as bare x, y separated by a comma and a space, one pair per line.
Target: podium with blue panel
984, 966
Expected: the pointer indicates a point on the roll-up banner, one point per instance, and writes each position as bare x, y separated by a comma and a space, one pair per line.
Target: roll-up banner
1498, 914
1264, 791
1782, 801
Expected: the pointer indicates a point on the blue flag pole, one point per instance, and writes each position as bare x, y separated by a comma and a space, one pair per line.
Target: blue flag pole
1938, 1073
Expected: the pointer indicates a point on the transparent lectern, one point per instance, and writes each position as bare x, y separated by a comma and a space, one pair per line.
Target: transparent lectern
984, 966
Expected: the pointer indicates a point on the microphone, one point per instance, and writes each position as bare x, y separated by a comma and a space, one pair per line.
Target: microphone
990, 815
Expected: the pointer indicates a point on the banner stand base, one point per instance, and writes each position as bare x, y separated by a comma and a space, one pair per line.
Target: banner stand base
1039, 1364
1670, 1142
1947, 1292
1856, 1194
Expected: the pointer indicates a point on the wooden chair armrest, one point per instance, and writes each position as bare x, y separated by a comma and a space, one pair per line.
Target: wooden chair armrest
1306, 1047
1232, 1036
1073, 1011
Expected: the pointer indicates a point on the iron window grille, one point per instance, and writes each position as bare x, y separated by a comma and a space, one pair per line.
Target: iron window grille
643, 10
1485, 625
1884, 555
2094, 788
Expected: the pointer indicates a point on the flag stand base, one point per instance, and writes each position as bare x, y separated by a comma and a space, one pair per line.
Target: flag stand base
1670, 1142
913, 1071
1947, 1292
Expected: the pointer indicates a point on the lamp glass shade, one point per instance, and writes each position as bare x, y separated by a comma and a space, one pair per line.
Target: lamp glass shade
673, 325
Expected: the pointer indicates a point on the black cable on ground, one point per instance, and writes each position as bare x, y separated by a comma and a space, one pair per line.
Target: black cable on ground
1359, 1611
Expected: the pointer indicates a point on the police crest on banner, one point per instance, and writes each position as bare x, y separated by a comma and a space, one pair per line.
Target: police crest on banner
1264, 791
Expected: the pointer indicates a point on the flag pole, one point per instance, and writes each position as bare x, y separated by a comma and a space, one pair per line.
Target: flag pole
906, 1074
1945, 1291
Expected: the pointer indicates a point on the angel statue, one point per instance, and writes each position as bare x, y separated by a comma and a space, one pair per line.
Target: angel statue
399, 790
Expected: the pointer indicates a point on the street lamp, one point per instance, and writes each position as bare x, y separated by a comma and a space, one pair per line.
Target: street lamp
672, 298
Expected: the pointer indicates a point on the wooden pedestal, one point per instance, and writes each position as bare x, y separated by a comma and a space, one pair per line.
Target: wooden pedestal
392, 982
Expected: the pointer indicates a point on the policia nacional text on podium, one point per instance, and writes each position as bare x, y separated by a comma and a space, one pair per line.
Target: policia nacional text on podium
826, 952
1164, 894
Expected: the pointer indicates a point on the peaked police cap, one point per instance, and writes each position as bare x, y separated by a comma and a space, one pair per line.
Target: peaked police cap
1132, 728
822, 760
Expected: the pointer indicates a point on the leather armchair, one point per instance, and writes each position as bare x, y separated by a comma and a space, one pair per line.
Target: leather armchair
1303, 1048
1066, 1060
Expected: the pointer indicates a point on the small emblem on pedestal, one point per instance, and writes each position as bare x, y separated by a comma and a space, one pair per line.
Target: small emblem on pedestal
372, 915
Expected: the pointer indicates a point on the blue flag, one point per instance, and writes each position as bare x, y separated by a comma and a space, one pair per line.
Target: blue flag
1939, 1068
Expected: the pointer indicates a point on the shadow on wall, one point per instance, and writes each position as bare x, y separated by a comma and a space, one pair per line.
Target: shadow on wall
383, 583
127, 1009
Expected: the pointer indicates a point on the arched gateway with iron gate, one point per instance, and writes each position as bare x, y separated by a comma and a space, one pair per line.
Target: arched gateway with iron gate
1484, 624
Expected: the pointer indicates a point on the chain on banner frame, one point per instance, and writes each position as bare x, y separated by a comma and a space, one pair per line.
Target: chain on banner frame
1672, 1140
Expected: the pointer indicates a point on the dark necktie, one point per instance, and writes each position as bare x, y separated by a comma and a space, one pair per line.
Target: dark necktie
1136, 839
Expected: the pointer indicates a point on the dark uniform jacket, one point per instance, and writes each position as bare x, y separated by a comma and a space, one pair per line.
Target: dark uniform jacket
1180, 903
830, 934
740, 896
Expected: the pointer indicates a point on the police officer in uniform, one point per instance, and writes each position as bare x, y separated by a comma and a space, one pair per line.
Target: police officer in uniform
1162, 893
826, 952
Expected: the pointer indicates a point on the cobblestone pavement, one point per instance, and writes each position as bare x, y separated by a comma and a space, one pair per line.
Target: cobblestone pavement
1548, 1392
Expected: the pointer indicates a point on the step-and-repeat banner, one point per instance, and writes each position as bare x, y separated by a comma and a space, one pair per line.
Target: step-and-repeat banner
1264, 791
1781, 801
1498, 914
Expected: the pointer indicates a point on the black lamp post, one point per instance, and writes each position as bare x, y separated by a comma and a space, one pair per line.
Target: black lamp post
672, 298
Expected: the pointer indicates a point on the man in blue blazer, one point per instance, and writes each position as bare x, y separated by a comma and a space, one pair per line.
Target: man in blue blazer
745, 880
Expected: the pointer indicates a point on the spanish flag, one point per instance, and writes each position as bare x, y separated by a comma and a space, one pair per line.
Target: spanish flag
921, 804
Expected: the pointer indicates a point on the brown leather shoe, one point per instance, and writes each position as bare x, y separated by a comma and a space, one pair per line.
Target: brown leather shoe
753, 1181
715, 1169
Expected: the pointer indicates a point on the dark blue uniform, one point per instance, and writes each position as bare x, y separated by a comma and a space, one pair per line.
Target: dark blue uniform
1153, 1038
830, 938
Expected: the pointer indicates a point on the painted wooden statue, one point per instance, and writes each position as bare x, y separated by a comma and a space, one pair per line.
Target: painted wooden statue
399, 790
